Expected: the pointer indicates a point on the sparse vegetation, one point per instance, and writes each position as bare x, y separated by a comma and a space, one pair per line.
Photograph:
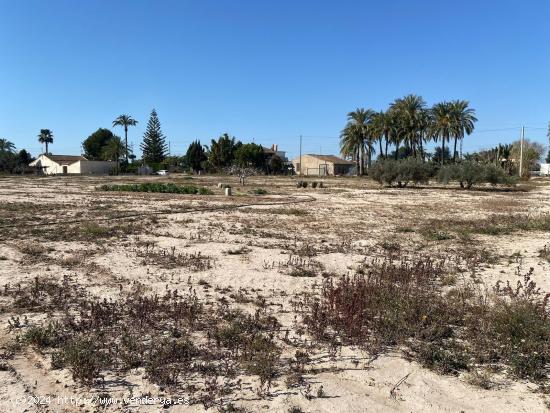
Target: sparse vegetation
242, 305
448, 330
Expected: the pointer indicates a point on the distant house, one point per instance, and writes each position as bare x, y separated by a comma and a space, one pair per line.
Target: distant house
545, 169
323, 165
274, 150
71, 165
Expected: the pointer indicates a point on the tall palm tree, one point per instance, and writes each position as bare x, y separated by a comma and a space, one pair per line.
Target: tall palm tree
125, 121
463, 119
443, 124
358, 126
45, 137
6, 146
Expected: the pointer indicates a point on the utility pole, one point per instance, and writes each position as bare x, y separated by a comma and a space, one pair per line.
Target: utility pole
521, 150
300, 154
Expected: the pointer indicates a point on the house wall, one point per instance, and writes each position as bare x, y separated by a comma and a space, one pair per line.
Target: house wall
52, 167
311, 166
95, 167
315, 166
79, 167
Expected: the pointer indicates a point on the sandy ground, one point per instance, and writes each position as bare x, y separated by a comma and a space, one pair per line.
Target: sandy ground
344, 223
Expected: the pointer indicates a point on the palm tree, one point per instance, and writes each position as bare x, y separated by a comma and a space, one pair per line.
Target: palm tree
45, 137
125, 121
410, 111
114, 149
463, 119
380, 129
357, 130
443, 123
6, 146
351, 141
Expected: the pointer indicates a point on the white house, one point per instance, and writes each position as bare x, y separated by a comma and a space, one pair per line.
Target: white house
545, 169
71, 164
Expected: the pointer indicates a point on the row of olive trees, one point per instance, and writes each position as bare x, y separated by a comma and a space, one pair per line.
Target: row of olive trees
409, 122
414, 171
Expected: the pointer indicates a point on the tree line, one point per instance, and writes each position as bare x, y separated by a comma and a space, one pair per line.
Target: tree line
222, 153
407, 125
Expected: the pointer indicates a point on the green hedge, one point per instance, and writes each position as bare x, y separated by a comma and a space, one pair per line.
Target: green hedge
156, 187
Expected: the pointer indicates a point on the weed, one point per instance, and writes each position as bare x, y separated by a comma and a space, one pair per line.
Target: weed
481, 378
85, 358
168, 359
544, 253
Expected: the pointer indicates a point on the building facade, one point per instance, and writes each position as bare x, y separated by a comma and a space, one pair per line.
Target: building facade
322, 165
71, 165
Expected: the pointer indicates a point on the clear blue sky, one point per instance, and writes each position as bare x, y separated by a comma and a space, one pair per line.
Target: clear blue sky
266, 70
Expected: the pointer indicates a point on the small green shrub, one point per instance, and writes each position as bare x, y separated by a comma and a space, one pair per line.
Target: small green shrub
42, 337
84, 358
168, 359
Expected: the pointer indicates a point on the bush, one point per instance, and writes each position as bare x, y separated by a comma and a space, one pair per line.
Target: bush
84, 358
42, 337
389, 171
168, 359
470, 173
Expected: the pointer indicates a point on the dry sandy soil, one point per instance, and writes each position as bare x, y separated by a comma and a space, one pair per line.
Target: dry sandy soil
104, 243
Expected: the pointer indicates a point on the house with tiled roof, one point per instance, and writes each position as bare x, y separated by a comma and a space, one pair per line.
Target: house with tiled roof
311, 164
49, 164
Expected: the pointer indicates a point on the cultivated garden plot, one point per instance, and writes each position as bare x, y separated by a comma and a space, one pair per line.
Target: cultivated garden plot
153, 293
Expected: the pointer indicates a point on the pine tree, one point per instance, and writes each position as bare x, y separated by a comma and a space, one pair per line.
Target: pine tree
196, 155
154, 143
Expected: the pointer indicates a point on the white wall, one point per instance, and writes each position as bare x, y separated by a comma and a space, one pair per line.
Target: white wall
52, 167
79, 167
94, 167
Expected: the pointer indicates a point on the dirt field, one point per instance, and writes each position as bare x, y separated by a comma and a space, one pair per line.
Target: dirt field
255, 253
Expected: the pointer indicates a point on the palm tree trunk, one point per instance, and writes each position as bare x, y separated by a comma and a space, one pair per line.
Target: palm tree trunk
386, 153
421, 150
396, 150
454, 153
380, 142
362, 158
46, 147
442, 149
126, 141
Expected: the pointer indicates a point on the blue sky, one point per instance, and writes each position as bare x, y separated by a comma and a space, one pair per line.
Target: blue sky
266, 70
